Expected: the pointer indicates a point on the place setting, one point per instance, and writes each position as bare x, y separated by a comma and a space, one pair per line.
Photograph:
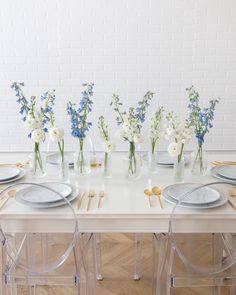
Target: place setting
225, 171
10, 173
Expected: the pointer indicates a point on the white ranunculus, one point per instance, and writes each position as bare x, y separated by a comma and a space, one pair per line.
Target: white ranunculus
32, 123
109, 147
174, 149
38, 135
56, 134
138, 139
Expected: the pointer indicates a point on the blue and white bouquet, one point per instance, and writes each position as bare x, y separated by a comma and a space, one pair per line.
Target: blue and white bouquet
79, 122
201, 119
131, 124
36, 119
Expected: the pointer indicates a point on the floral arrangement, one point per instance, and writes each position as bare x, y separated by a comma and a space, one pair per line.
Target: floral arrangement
131, 124
201, 119
108, 145
179, 133
156, 127
79, 120
35, 119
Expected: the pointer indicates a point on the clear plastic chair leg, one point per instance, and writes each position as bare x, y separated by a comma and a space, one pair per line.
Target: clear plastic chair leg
138, 239
31, 290
98, 256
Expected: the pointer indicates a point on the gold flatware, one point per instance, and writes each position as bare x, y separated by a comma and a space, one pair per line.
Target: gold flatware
232, 192
156, 190
148, 193
101, 196
223, 163
81, 196
231, 205
18, 165
10, 194
90, 197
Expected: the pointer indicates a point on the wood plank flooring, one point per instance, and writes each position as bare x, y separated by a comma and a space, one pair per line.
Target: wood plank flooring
118, 270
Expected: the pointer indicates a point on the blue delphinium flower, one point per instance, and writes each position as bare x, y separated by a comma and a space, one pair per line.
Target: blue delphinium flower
21, 99
200, 119
78, 117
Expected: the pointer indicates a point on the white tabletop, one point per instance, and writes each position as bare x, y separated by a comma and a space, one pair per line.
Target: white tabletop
124, 208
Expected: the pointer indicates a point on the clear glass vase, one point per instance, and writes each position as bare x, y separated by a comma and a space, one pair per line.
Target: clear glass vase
152, 162
63, 174
133, 162
107, 165
179, 166
37, 162
200, 162
82, 158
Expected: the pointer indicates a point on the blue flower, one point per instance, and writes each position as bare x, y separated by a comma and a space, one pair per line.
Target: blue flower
78, 117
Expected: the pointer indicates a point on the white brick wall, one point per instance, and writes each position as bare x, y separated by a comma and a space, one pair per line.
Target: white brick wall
124, 46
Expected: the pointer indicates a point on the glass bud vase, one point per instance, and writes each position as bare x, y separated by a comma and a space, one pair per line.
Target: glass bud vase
63, 174
152, 162
179, 166
82, 158
200, 163
134, 163
107, 165
37, 162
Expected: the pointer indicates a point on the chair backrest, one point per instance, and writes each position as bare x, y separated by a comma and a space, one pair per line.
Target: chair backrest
30, 251
205, 249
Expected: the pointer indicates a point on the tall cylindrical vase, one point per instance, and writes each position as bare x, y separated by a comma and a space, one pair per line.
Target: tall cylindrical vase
179, 167
37, 162
107, 165
200, 163
134, 162
82, 158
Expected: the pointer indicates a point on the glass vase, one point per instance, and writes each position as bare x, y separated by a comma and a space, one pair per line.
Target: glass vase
63, 174
152, 162
107, 165
37, 162
82, 158
179, 166
134, 163
200, 163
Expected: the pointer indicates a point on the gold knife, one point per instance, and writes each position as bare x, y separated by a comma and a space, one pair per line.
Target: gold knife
90, 197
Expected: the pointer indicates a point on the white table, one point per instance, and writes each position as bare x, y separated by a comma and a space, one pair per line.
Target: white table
124, 208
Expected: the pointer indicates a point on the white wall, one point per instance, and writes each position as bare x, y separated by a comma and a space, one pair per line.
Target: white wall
124, 46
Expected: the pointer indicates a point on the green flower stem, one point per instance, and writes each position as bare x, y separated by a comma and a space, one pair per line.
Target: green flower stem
181, 153
61, 146
153, 143
37, 158
81, 155
200, 157
132, 158
106, 163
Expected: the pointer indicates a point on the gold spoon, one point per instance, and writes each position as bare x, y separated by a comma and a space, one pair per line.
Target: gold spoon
81, 196
90, 196
156, 190
10, 194
101, 196
148, 193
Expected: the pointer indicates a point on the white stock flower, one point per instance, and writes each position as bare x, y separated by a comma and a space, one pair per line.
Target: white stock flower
174, 149
56, 134
119, 134
109, 147
138, 138
38, 135
32, 123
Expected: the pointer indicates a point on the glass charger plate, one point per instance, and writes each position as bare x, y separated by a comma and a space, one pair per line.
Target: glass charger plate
204, 195
214, 173
37, 194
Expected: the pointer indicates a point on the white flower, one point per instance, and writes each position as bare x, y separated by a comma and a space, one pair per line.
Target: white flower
38, 135
119, 134
56, 134
109, 147
32, 123
138, 139
174, 149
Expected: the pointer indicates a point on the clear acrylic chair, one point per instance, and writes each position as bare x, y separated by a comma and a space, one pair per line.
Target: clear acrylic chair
29, 260
198, 259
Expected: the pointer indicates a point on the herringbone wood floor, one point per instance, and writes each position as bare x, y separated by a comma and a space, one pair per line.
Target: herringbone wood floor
118, 269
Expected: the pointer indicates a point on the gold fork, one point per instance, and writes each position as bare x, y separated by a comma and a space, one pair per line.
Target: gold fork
18, 165
101, 196
10, 194
90, 197
217, 163
81, 196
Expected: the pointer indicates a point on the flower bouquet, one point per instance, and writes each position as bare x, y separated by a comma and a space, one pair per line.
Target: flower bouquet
179, 134
80, 126
36, 121
201, 119
108, 145
131, 125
